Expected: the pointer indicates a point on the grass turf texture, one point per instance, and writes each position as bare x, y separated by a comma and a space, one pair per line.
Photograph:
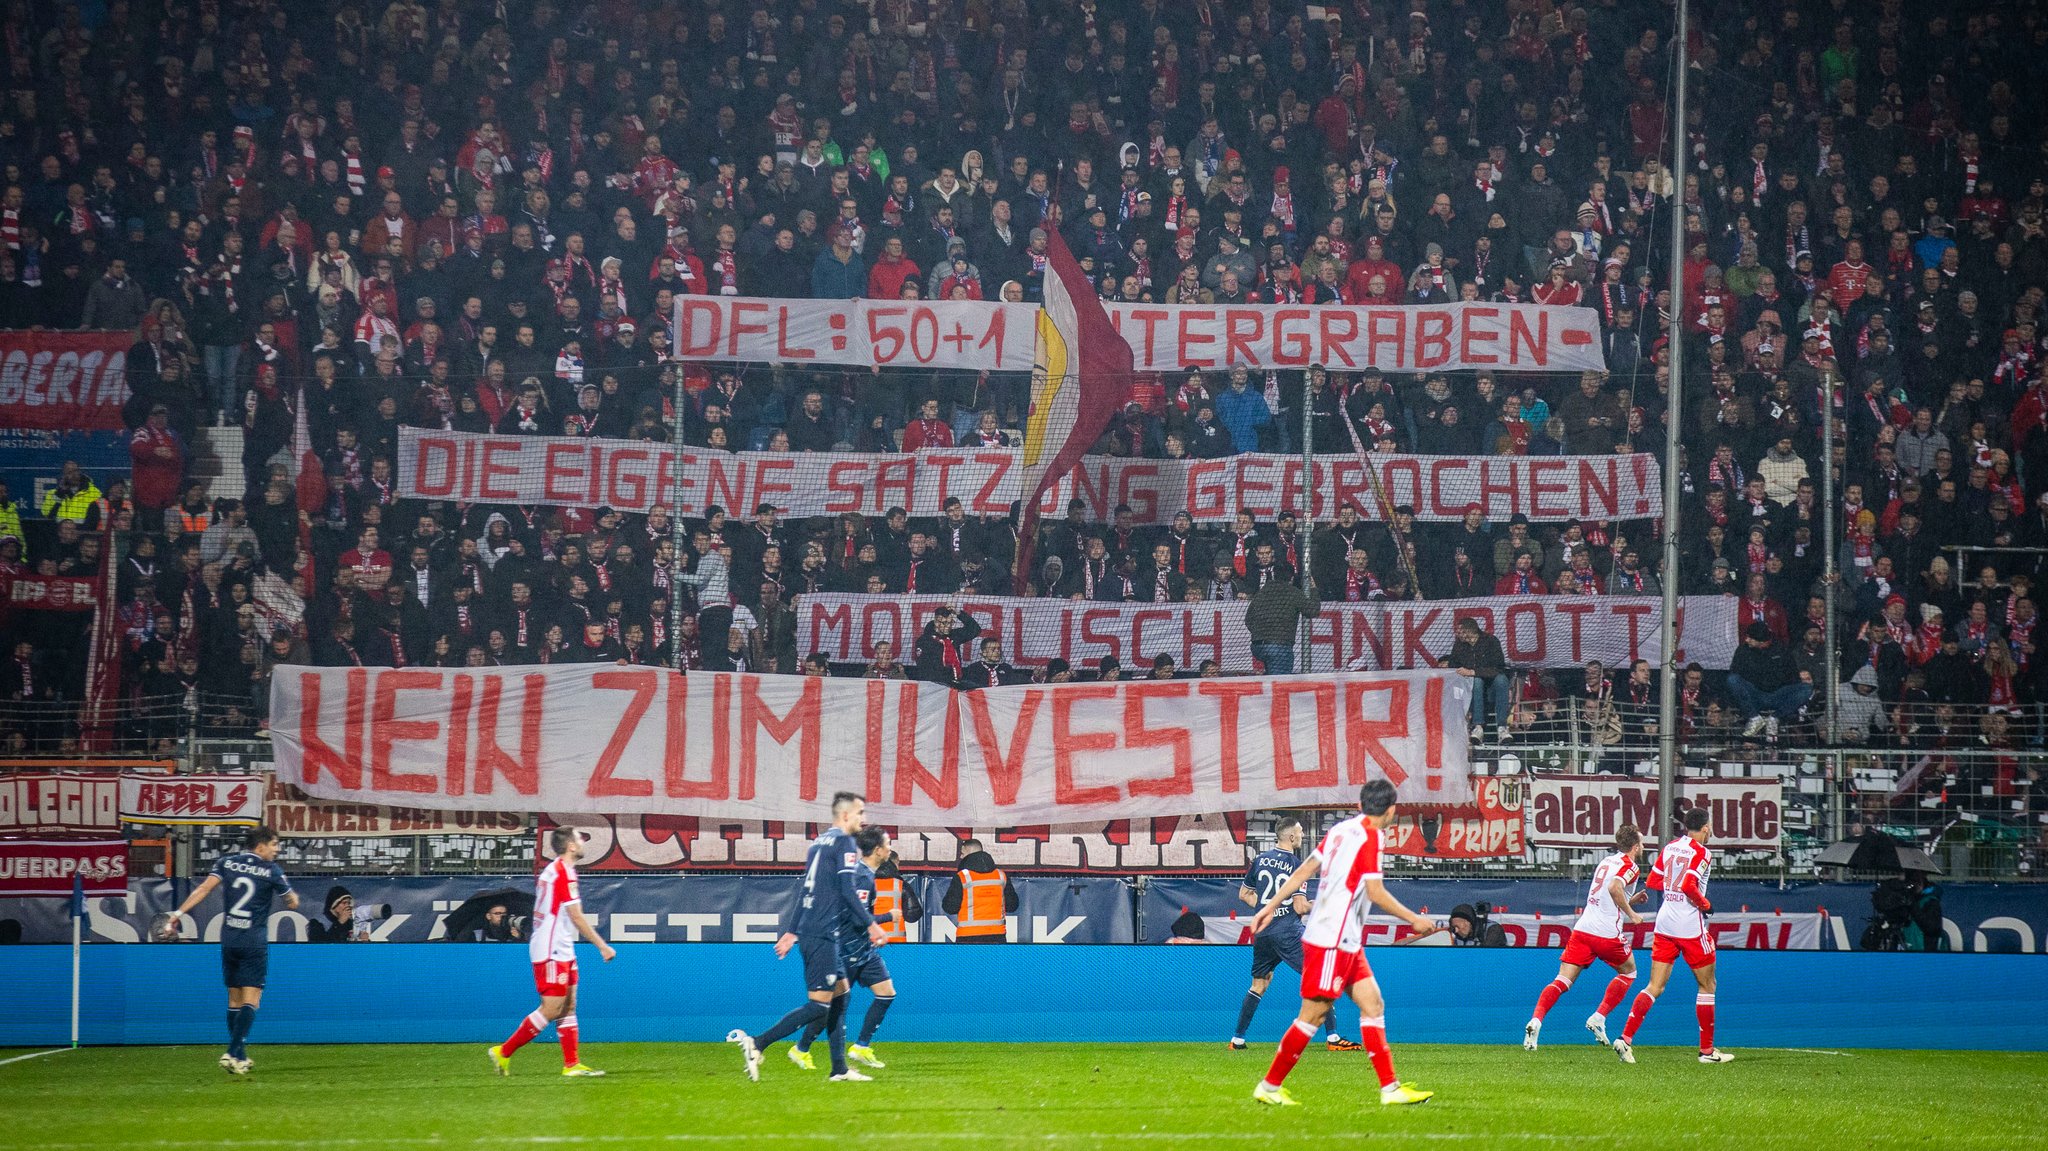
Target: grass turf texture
1009, 1095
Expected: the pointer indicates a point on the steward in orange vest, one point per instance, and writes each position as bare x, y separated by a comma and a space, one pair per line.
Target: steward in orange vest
896, 905
980, 898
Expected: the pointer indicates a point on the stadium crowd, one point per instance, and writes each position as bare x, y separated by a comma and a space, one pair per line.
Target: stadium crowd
461, 215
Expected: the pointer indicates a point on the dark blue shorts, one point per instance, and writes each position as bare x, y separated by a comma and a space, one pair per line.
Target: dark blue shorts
1272, 948
868, 970
824, 967
244, 965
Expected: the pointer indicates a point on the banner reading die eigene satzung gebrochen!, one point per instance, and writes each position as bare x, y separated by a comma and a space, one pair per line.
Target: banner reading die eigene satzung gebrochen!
601, 738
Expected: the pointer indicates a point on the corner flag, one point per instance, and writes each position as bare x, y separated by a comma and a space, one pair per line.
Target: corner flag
1079, 378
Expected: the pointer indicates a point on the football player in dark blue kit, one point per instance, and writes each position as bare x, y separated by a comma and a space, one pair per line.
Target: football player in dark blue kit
1281, 942
249, 880
831, 908
864, 966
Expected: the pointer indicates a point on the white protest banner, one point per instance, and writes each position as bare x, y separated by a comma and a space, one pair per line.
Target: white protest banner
966, 335
59, 802
598, 738
1732, 930
1585, 811
1404, 338
1535, 631
287, 810
636, 475
200, 800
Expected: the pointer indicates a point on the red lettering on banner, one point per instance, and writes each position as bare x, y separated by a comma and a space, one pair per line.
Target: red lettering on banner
987, 500
783, 349
1253, 488
347, 767
1366, 738
675, 750
749, 318
642, 684
711, 313
386, 729
428, 451
1433, 733
1541, 484
1206, 495
1190, 319
1291, 343
1599, 500
1437, 484
721, 737
1392, 470
1476, 323
1535, 649
941, 464
895, 481
490, 470
1337, 330
1005, 769
1284, 774
1500, 479
768, 481
1138, 736
877, 696
1415, 627
455, 772
1432, 339
1066, 742
1576, 611
1388, 327
522, 773
912, 775
1365, 637
1242, 327
804, 722
1535, 342
1148, 319
1349, 479
725, 483
562, 473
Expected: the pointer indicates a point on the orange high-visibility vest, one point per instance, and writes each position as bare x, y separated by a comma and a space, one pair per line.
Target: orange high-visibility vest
889, 909
981, 904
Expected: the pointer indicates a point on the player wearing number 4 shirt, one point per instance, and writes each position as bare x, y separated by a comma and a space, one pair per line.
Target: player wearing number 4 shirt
1598, 936
551, 945
1681, 874
249, 880
1333, 943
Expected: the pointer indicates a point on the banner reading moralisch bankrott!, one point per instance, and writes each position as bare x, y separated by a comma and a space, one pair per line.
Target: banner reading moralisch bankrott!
606, 739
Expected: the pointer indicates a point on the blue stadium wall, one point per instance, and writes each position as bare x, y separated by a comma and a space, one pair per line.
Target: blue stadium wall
422, 992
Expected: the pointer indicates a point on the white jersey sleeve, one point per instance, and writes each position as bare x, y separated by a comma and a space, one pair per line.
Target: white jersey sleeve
553, 933
1602, 918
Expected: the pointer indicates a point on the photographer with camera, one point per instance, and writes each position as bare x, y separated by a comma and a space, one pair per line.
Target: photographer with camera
1907, 915
346, 922
1470, 926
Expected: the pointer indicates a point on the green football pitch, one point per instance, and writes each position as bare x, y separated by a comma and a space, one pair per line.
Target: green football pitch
1017, 1095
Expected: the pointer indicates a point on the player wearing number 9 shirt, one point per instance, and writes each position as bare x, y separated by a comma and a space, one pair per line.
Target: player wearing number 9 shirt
249, 880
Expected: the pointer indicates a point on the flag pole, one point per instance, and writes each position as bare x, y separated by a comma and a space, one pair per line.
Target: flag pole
1674, 419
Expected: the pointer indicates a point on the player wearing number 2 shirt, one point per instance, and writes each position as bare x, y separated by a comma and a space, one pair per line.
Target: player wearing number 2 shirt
1681, 874
1333, 942
249, 880
1598, 935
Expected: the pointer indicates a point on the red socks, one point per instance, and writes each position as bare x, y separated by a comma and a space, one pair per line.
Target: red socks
1292, 1045
1704, 1008
1373, 1033
1616, 988
529, 1027
1548, 999
1644, 1000
566, 1031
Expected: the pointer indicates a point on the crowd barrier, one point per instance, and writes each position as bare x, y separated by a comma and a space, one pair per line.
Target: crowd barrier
720, 908
695, 992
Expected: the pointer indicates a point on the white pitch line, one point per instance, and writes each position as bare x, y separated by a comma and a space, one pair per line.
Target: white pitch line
34, 1055
1806, 1051
689, 1138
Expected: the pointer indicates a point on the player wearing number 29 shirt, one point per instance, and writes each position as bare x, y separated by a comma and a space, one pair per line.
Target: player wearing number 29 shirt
1598, 935
1333, 943
1681, 874
249, 880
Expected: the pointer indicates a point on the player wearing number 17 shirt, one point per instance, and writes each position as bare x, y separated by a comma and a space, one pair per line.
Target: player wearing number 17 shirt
1333, 944
1681, 874
1598, 935
249, 880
